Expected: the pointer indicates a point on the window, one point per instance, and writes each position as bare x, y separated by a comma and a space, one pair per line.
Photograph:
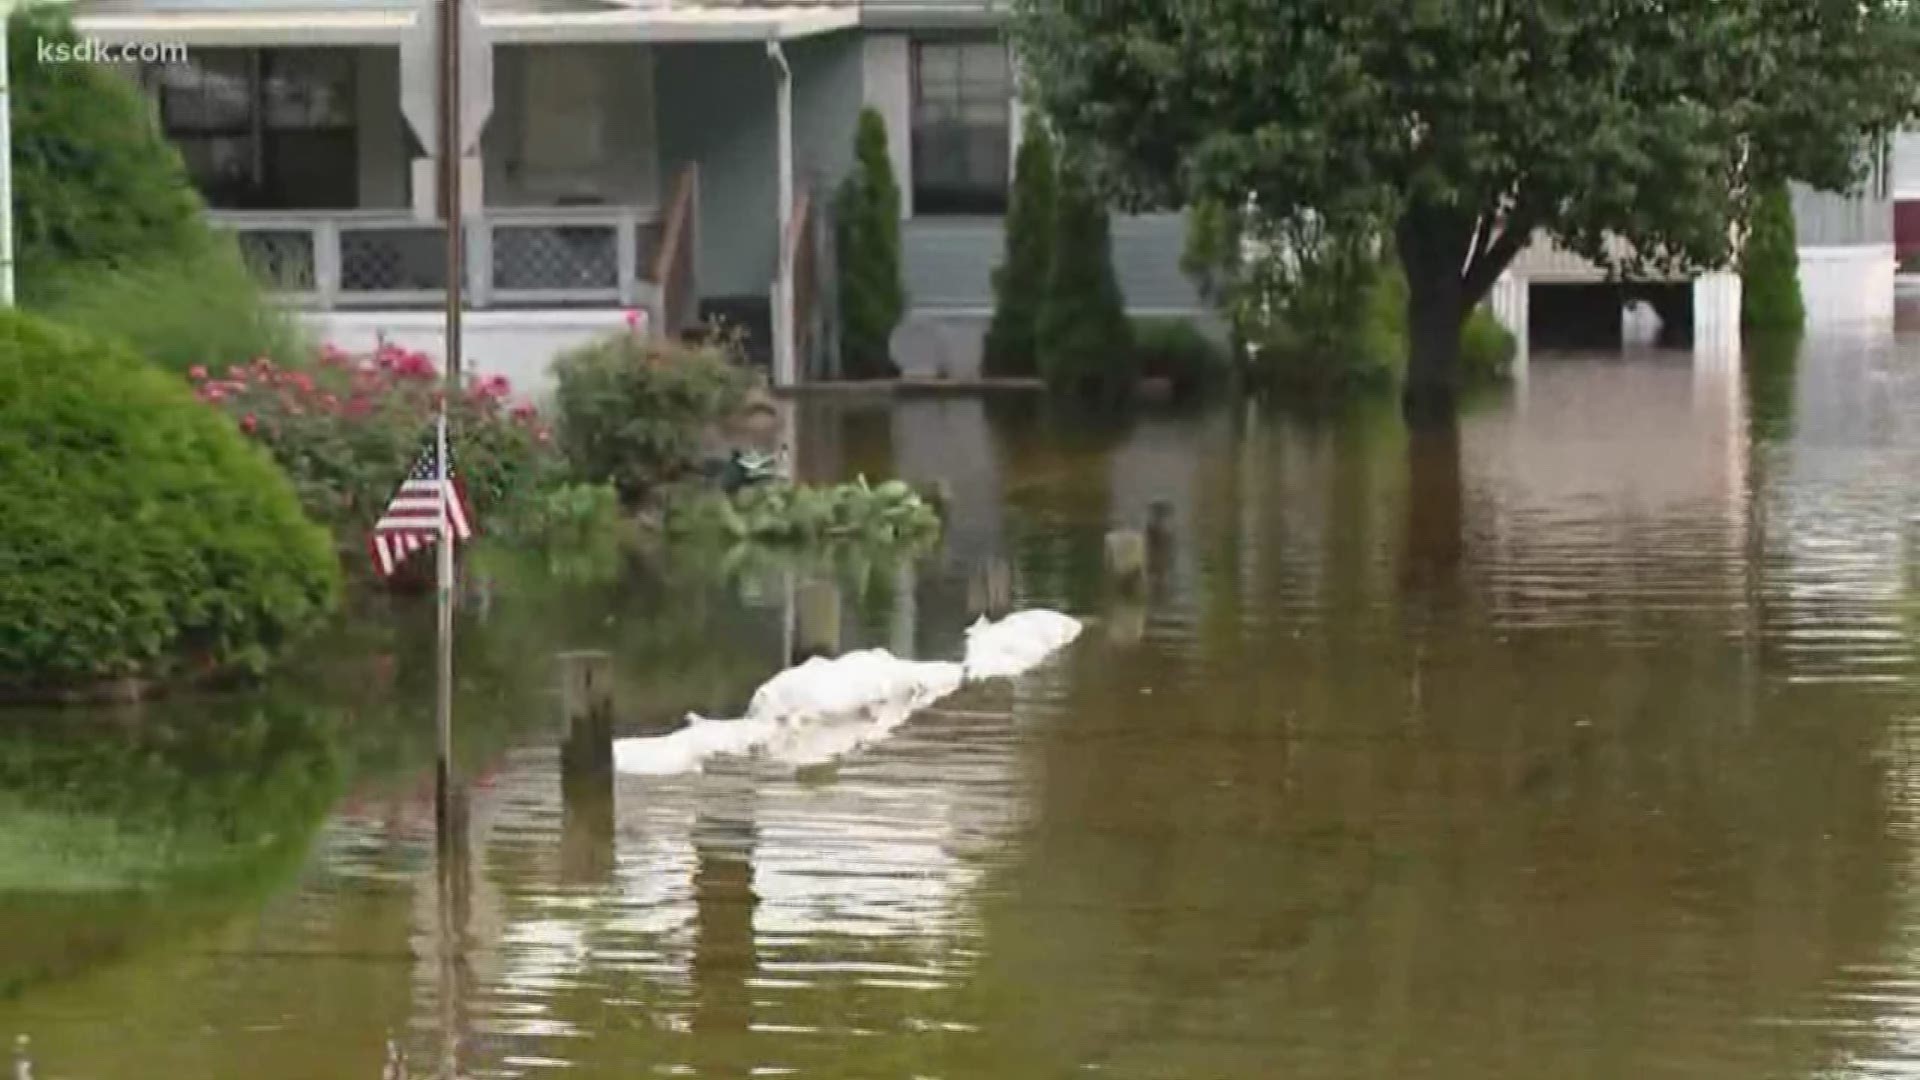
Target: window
962, 106
264, 128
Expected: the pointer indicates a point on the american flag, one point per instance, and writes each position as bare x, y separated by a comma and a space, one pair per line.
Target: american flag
412, 520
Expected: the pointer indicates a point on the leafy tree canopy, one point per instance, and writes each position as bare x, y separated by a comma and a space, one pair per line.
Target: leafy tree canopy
1464, 125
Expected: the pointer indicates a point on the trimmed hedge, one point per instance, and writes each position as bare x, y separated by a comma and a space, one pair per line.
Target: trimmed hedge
144, 536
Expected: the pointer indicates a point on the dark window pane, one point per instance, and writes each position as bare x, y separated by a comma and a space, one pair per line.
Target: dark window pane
308, 88
210, 92
962, 103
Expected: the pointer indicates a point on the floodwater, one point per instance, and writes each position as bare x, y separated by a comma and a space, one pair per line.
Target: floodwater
1586, 743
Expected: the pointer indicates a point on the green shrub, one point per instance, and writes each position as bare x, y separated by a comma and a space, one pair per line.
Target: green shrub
1181, 353
1361, 340
94, 181
872, 297
1342, 327
632, 410
179, 309
347, 429
1083, 336
1020, 283
1770, 267
143, 535
785, 513
1487, 349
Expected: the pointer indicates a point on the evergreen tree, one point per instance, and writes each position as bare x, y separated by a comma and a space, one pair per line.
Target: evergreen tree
1084, 341
872, 298
94, 181
1770, 267
1020, 283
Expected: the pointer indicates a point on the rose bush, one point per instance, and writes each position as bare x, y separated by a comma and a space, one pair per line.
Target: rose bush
348, 427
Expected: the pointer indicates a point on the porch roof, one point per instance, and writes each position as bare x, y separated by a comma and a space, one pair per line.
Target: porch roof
532, 21
378, 22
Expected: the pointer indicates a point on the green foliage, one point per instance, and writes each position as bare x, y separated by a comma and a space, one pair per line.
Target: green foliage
197, 305
94, 182
575, 532
872, 297
109, 233
1359, 336
1083, 335
1020, 283
1461, 130
890, 513
1770, 267
1487, 349
347, 428
1181, 353
144, 536
632, 410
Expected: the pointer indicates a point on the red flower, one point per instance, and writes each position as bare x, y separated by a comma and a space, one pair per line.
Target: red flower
213, 393
248, 423
198, 373
524, 412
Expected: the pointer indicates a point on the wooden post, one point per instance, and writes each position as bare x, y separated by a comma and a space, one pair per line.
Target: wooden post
586, 767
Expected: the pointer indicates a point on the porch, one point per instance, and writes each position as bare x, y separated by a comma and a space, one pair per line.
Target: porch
312, 135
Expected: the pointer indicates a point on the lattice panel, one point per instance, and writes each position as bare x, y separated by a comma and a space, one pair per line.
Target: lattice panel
393, 260
555, 257
282, 259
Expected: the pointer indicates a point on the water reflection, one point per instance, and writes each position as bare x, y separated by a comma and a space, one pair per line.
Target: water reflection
1575, 740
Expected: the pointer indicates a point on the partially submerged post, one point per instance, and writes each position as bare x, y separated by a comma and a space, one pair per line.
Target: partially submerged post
586, 767
1127, 557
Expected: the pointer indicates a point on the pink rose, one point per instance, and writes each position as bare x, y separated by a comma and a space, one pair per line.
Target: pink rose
198, 373
248, 423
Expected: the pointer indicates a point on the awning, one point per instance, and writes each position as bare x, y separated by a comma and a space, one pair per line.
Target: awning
670, 22
334, 22
283, 26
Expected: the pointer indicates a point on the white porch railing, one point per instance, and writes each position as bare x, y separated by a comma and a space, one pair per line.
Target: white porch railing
515, 257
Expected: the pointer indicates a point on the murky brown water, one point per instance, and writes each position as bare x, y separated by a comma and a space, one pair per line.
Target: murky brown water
1586, 747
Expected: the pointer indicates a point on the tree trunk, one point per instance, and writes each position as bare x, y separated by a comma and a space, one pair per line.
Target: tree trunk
1433, 247
1436, 312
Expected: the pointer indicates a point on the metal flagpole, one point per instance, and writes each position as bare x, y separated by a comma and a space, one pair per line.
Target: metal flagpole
451, 156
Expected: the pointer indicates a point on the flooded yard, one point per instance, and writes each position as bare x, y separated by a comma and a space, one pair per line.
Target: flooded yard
1583, 743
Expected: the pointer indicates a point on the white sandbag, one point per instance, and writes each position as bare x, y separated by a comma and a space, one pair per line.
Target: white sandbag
688, 749
821, 710
847, 684
827, 708
1016, 644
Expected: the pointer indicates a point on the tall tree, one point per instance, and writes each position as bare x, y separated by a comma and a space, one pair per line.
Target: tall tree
1770, 299
94, 182
1462, 127
1019, 285
872, 297
1084, 341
